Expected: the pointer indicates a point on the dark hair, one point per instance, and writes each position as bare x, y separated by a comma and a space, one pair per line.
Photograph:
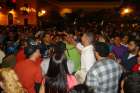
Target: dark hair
59, 47
57, 79
28, 51
132, 83
32, 46
117, 35
102, 49
81, 89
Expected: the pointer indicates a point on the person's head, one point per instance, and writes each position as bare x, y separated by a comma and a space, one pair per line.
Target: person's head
125, 39
9, 81
59, 47
23, 43
47, 38
102, 50
102, 39
117, 40
132, 83
32, 49
32, 52
56, 38
133, 46
87, 38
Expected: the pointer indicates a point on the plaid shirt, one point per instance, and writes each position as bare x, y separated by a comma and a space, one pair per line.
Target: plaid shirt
104, 76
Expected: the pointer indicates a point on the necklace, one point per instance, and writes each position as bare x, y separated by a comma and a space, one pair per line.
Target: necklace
58, 61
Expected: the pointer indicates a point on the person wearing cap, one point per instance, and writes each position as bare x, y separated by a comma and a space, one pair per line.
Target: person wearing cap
29, 73
105, 74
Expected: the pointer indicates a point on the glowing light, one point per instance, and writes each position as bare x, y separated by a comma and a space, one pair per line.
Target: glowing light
1, 16
27, 9
126, 11
65, 11
41, 13
0, 7
13, 13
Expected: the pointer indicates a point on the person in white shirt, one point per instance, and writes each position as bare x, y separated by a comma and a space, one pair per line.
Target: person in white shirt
87, 57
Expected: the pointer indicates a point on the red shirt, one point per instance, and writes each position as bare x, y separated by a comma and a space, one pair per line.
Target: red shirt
38, 61
136, 68
20, 55
29, 74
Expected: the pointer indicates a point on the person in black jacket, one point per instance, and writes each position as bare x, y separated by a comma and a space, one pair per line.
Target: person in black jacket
130, 58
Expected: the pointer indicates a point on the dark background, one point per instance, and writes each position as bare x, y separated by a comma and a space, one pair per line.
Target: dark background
89, 0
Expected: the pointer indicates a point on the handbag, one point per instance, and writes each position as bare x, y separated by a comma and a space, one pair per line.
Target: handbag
71, 81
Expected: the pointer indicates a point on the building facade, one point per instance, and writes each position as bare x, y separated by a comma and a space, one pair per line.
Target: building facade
22, 13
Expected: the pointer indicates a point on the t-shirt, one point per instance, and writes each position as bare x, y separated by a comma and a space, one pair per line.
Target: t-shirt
73, 54
20, 55
119, 51
29, 74
136, 68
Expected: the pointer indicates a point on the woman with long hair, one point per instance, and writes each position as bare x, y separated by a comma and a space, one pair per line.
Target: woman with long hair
56, 81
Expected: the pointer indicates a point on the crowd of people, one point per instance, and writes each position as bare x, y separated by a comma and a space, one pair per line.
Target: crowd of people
91, 58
